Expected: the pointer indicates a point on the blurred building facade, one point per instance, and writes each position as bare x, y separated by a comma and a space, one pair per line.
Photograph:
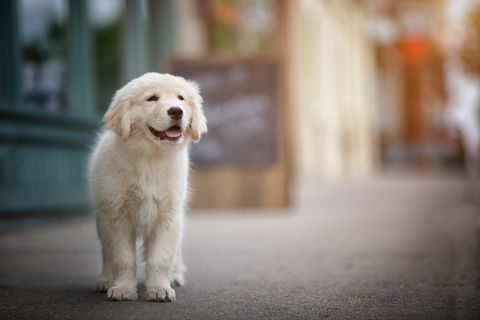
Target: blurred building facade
294, 90
326, 122
332, 82
62, 61
462, 71
410, 81
60, 64
427, 102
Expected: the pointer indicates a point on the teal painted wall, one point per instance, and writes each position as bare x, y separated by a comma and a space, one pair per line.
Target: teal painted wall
44, 156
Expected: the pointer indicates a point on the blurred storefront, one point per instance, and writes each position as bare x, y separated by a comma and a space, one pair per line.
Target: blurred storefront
294, 91
233, 50
317, 118
411, 81
288, 89
421, 82
60, 64
62, 61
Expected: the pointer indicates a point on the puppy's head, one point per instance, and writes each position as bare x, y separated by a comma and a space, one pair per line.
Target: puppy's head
164, 109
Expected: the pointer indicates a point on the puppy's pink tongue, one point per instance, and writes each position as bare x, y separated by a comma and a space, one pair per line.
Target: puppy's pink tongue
173, 133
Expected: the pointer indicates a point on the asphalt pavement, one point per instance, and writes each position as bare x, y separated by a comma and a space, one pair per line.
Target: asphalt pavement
403, 247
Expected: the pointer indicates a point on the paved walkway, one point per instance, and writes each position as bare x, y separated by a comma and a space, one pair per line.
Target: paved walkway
405, 248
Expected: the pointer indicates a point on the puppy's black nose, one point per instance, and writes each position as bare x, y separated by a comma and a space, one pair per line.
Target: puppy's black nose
175, 113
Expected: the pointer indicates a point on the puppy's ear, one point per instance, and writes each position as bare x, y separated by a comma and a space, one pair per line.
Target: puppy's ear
117, 117
198, 124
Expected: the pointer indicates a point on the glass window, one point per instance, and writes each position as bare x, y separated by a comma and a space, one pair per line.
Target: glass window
239, 26
106, 18
43, 35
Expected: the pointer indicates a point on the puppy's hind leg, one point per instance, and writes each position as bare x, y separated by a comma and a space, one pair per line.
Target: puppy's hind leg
179, 269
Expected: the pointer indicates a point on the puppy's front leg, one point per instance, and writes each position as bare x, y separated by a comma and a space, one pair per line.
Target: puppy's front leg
160, 248
121, 242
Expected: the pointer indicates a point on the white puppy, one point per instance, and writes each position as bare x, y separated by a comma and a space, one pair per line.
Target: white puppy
138, 177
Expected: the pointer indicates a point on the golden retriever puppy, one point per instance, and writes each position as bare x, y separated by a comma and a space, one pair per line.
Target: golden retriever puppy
138, 177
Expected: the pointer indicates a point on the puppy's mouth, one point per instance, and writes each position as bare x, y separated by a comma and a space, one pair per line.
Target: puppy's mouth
171, 134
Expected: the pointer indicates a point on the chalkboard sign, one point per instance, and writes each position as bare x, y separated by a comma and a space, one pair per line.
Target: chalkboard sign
241, 103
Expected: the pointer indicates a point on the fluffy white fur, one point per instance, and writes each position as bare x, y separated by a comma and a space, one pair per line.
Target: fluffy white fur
139, 184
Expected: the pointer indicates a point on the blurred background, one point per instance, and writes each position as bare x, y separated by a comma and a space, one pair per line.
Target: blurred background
295, 91
339, 177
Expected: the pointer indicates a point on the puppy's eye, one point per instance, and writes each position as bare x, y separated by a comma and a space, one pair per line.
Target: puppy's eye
152, 98
180, 97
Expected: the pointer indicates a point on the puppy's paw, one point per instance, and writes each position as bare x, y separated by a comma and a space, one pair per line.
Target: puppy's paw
103, 285
160, 294
121, 293
179, 280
